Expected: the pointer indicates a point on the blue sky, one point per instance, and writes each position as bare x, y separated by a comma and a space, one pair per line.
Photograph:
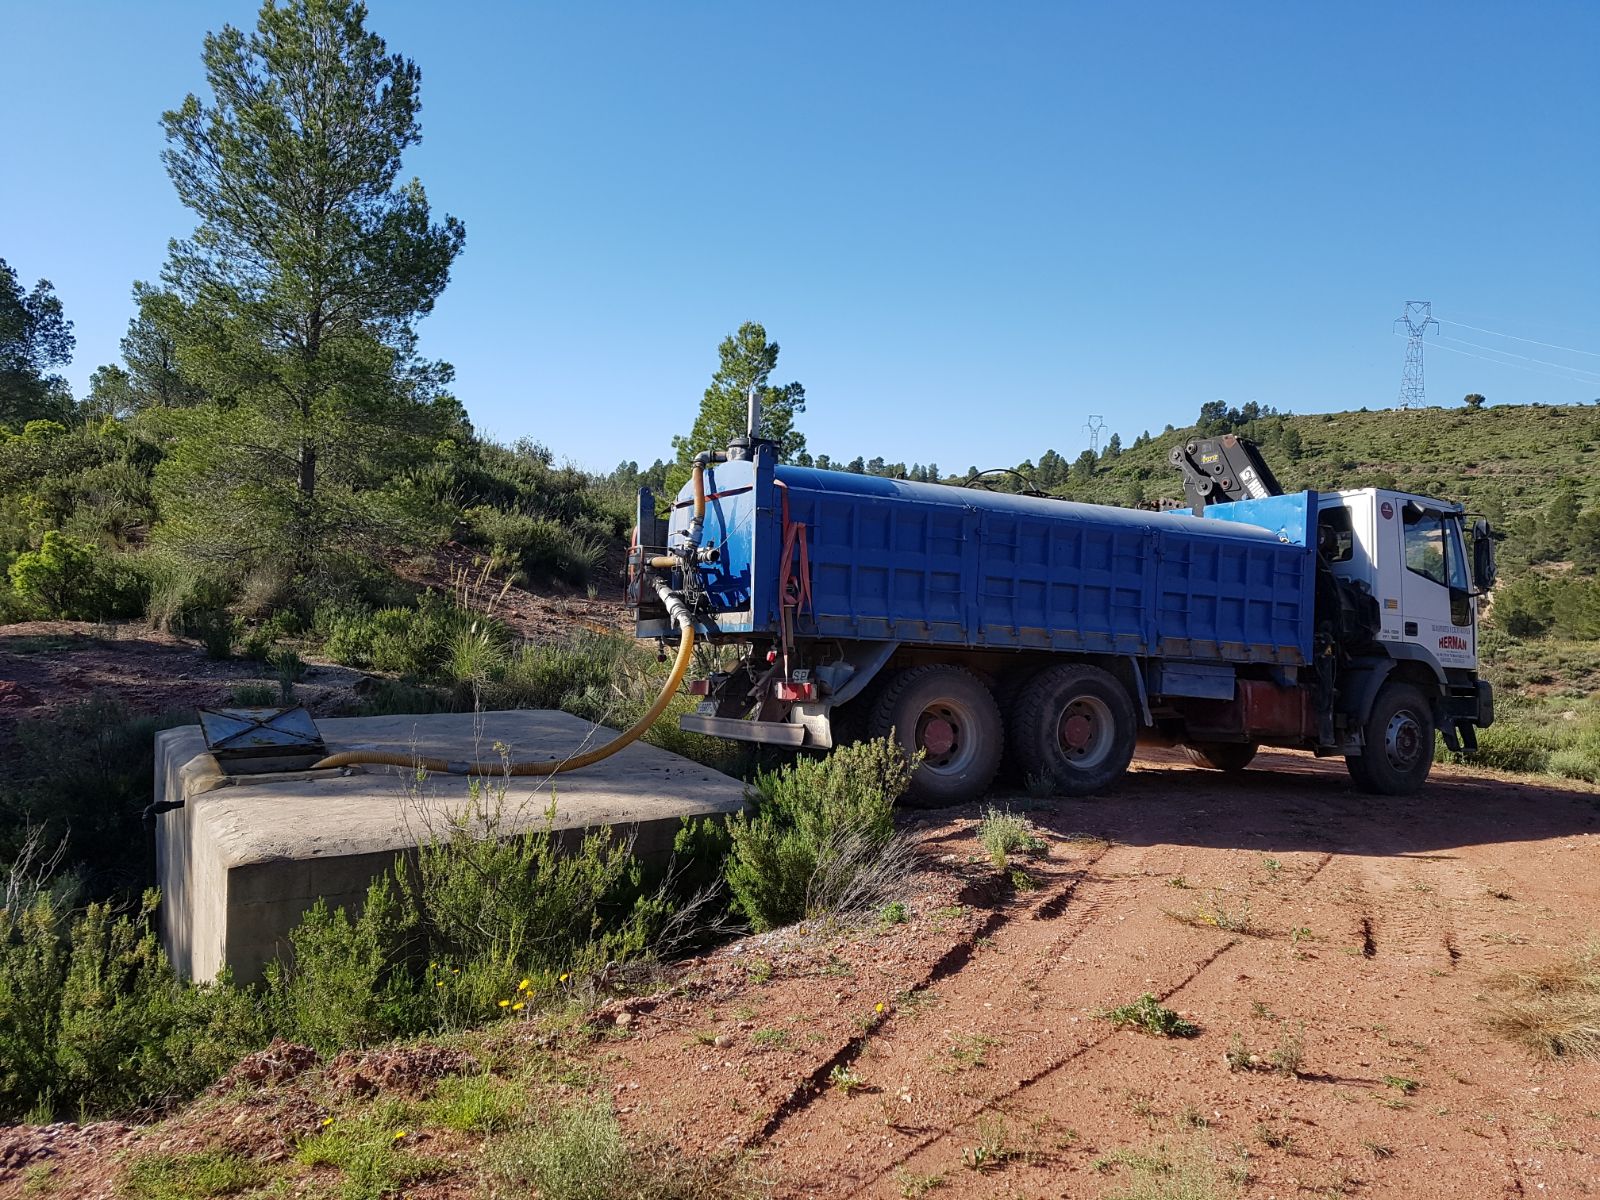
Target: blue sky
969, 226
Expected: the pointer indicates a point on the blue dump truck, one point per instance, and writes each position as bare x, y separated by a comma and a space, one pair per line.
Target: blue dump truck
992, 631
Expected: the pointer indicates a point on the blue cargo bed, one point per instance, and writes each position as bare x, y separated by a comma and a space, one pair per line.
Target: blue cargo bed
892, 560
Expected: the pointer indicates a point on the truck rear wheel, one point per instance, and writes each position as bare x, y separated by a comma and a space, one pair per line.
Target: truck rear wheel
949, 715
1075, 726
1231, 757
1399, 743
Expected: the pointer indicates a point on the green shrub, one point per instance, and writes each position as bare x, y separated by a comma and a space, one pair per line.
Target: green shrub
32, 967
89, 772
132, 1034
818, 825
502, 904
346, 632
579, 1153
252, 695
73, 579
1004, 833
411, 642
569, 551
346, 982
179, 590
216, 629
98, 1022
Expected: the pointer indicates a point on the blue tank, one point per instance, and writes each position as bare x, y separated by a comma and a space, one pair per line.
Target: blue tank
926, 564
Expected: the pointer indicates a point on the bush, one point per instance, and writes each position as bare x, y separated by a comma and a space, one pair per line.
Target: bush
100, 1023
69, 578
818, 825
410, 642
178, 590
569, 551
502, 905
89, 777
132, 1034
346, 982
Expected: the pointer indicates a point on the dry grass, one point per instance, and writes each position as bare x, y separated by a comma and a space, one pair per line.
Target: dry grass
1554, 1010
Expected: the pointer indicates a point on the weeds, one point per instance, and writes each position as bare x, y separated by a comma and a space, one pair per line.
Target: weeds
1004, 834
993, 1150
1286, 1058
968, 1051
369, 1152
1146, 1015
1162, 1174
190, 1176
1553, 1011
1274, 1139
1214, 914
578, 1153
843, 1079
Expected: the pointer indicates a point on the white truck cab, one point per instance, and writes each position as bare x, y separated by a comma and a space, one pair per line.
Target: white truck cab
1410, 552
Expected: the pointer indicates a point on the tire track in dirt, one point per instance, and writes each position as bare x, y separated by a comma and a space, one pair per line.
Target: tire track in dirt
1104, 1035
949, 964
996, 1031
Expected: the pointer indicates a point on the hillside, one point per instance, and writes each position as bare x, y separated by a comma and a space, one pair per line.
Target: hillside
1500, 457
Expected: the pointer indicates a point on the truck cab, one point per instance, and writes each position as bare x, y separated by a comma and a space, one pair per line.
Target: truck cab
1409, 551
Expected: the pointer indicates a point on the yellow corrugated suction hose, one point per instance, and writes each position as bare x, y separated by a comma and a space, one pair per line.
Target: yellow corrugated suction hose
680, 615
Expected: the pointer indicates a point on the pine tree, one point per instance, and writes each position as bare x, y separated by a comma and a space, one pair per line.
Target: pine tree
298, 293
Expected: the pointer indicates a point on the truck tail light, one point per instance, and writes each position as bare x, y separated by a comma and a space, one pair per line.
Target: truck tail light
797, 691
698, 687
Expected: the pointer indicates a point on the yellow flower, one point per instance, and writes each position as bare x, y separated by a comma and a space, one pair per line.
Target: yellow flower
439, 984
326, 1121
879, 1008
565, 975
524, 985
517, 1007
505, 1004
398, 1134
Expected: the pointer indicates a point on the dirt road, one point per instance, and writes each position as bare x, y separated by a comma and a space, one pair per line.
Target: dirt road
1297, 923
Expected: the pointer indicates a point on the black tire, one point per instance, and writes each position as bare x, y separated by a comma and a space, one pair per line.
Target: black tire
1096, 749
1007, 691
947, 713
1231, 757
1399, 737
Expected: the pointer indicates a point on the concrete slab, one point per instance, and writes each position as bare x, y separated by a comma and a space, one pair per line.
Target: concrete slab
246, 855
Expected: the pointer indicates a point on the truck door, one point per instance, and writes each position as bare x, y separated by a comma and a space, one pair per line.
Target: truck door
1436, 599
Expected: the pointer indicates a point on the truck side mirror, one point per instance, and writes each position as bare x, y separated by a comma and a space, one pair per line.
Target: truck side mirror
1483, 564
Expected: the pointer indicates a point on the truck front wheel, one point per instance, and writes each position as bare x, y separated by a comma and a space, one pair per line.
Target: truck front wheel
1398, 736
1075, 726
947, 714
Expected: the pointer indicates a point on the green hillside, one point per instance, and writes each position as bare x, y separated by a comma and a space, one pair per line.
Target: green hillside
1504, 458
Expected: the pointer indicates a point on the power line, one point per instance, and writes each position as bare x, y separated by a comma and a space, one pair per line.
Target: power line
1513, 354
1411, 393
1500, 362
1513, 337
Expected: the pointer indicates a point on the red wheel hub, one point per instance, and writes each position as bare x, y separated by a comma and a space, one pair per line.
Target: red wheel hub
938, 736
1075, 731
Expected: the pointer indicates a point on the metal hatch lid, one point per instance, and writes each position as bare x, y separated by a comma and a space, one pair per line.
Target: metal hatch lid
239, 736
